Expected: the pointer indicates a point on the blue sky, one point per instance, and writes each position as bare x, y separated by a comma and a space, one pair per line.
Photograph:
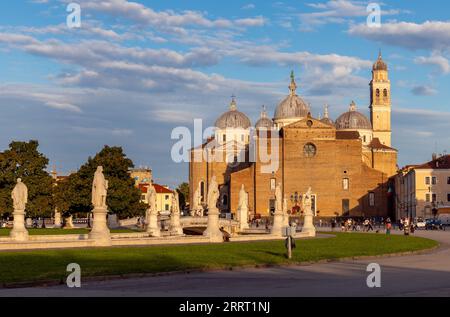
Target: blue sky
136, 70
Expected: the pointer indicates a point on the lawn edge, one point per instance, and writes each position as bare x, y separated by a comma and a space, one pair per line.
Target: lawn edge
49, 283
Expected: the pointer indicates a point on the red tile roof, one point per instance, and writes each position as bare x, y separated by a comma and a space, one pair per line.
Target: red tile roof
442, 162
376, 144
159, 188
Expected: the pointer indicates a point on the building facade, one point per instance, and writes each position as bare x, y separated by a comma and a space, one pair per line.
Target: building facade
347, 162
423, 190
164, 196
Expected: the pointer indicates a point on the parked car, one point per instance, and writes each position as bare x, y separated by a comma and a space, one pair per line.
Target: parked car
419, 223
445, 219
434, 224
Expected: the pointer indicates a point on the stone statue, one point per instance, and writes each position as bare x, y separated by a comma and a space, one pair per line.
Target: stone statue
213, 194
99, 189
175, 224
100, 233
307, 200
278, 198
243, 199
19, 195
151, 198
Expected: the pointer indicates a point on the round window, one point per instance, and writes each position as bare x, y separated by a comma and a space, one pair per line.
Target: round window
310, 150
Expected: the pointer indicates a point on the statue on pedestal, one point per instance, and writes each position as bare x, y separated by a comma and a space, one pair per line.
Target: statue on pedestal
151, 218
175, 224
278, 215
308, 225
19, 197
243, 209
213, 230
100, 232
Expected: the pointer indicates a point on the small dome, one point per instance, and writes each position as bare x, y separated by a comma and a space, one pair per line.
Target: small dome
353, 120
264, 122
380, 64
233, 119
292, 106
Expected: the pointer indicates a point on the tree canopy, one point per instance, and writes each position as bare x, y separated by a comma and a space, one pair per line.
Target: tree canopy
73, 195
183, 192
23, 160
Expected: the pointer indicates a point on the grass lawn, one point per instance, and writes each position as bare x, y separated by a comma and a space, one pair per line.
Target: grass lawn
51, 264
47, 232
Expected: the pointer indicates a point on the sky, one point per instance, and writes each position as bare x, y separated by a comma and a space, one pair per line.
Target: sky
134, 71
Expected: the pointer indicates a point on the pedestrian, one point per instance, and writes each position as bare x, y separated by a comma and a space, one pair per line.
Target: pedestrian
388, 228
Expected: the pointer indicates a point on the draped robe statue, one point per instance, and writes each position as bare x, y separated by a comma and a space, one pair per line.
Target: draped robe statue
213, 194
278, 199
99, 189
19, 195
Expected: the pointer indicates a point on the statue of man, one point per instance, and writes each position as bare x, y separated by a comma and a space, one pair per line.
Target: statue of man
175, 202
151, 198
307, 199
213, 193
19, 195
278, 198
243, 199
99, 189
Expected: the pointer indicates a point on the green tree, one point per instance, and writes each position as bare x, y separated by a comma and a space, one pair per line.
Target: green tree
183, 192
23, 160
123, 197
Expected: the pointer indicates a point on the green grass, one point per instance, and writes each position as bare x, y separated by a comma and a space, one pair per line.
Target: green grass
47, 232
51, 264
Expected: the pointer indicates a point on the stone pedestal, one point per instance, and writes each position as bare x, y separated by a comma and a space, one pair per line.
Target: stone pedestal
308, 226
213, 229
57, 220
153, 228
286, 220
243, 219
100, 232
19, 232
175, 224
277, 226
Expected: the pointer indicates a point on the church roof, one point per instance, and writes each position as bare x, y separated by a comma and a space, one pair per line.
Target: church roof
233, 118
264, 121
292, 106
380, 64
376, 144
353, 120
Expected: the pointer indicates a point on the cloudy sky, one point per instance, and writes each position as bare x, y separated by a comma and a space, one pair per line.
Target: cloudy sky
134, 71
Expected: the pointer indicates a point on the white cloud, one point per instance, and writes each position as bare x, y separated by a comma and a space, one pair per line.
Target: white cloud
435, 59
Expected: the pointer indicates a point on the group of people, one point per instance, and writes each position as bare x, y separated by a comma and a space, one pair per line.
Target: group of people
354, 225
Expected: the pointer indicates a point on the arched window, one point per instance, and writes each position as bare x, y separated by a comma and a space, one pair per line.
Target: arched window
385, 93
377, 92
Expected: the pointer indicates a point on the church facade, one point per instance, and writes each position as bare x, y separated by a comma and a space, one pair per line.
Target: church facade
346, 162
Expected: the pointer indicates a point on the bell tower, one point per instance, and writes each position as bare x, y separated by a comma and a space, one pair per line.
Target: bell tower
380, 102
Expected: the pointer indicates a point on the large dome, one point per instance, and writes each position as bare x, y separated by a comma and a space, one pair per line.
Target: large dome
292, 106
353, 120
264, 122
233, 119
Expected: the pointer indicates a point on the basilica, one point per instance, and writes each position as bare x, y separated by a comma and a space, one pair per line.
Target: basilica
346, 162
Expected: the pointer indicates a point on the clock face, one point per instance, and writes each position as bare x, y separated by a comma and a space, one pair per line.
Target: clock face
310, 150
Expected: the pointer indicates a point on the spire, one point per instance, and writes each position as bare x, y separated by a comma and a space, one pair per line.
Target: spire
263, 112
233, 105
293, 85
325, 112
353, 106
379, 54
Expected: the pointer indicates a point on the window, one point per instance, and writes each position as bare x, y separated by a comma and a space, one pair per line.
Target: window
167, 207
427, 180
345, 183
273, 183
434, 180
378, 92
224, 138
345, 207
448, 180
372, 199
448, 197
167, 197
202, 190
385, 93
434, 197
142, 197
427, 198
364, 139
309, 150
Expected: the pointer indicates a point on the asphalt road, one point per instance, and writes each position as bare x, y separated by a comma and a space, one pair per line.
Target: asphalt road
416, 275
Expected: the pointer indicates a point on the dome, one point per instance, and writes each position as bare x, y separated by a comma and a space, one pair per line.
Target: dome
233, 119
380, 64
292, 106
353, 120
264, 122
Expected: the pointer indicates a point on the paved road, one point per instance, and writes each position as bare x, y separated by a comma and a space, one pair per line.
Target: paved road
417, 275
